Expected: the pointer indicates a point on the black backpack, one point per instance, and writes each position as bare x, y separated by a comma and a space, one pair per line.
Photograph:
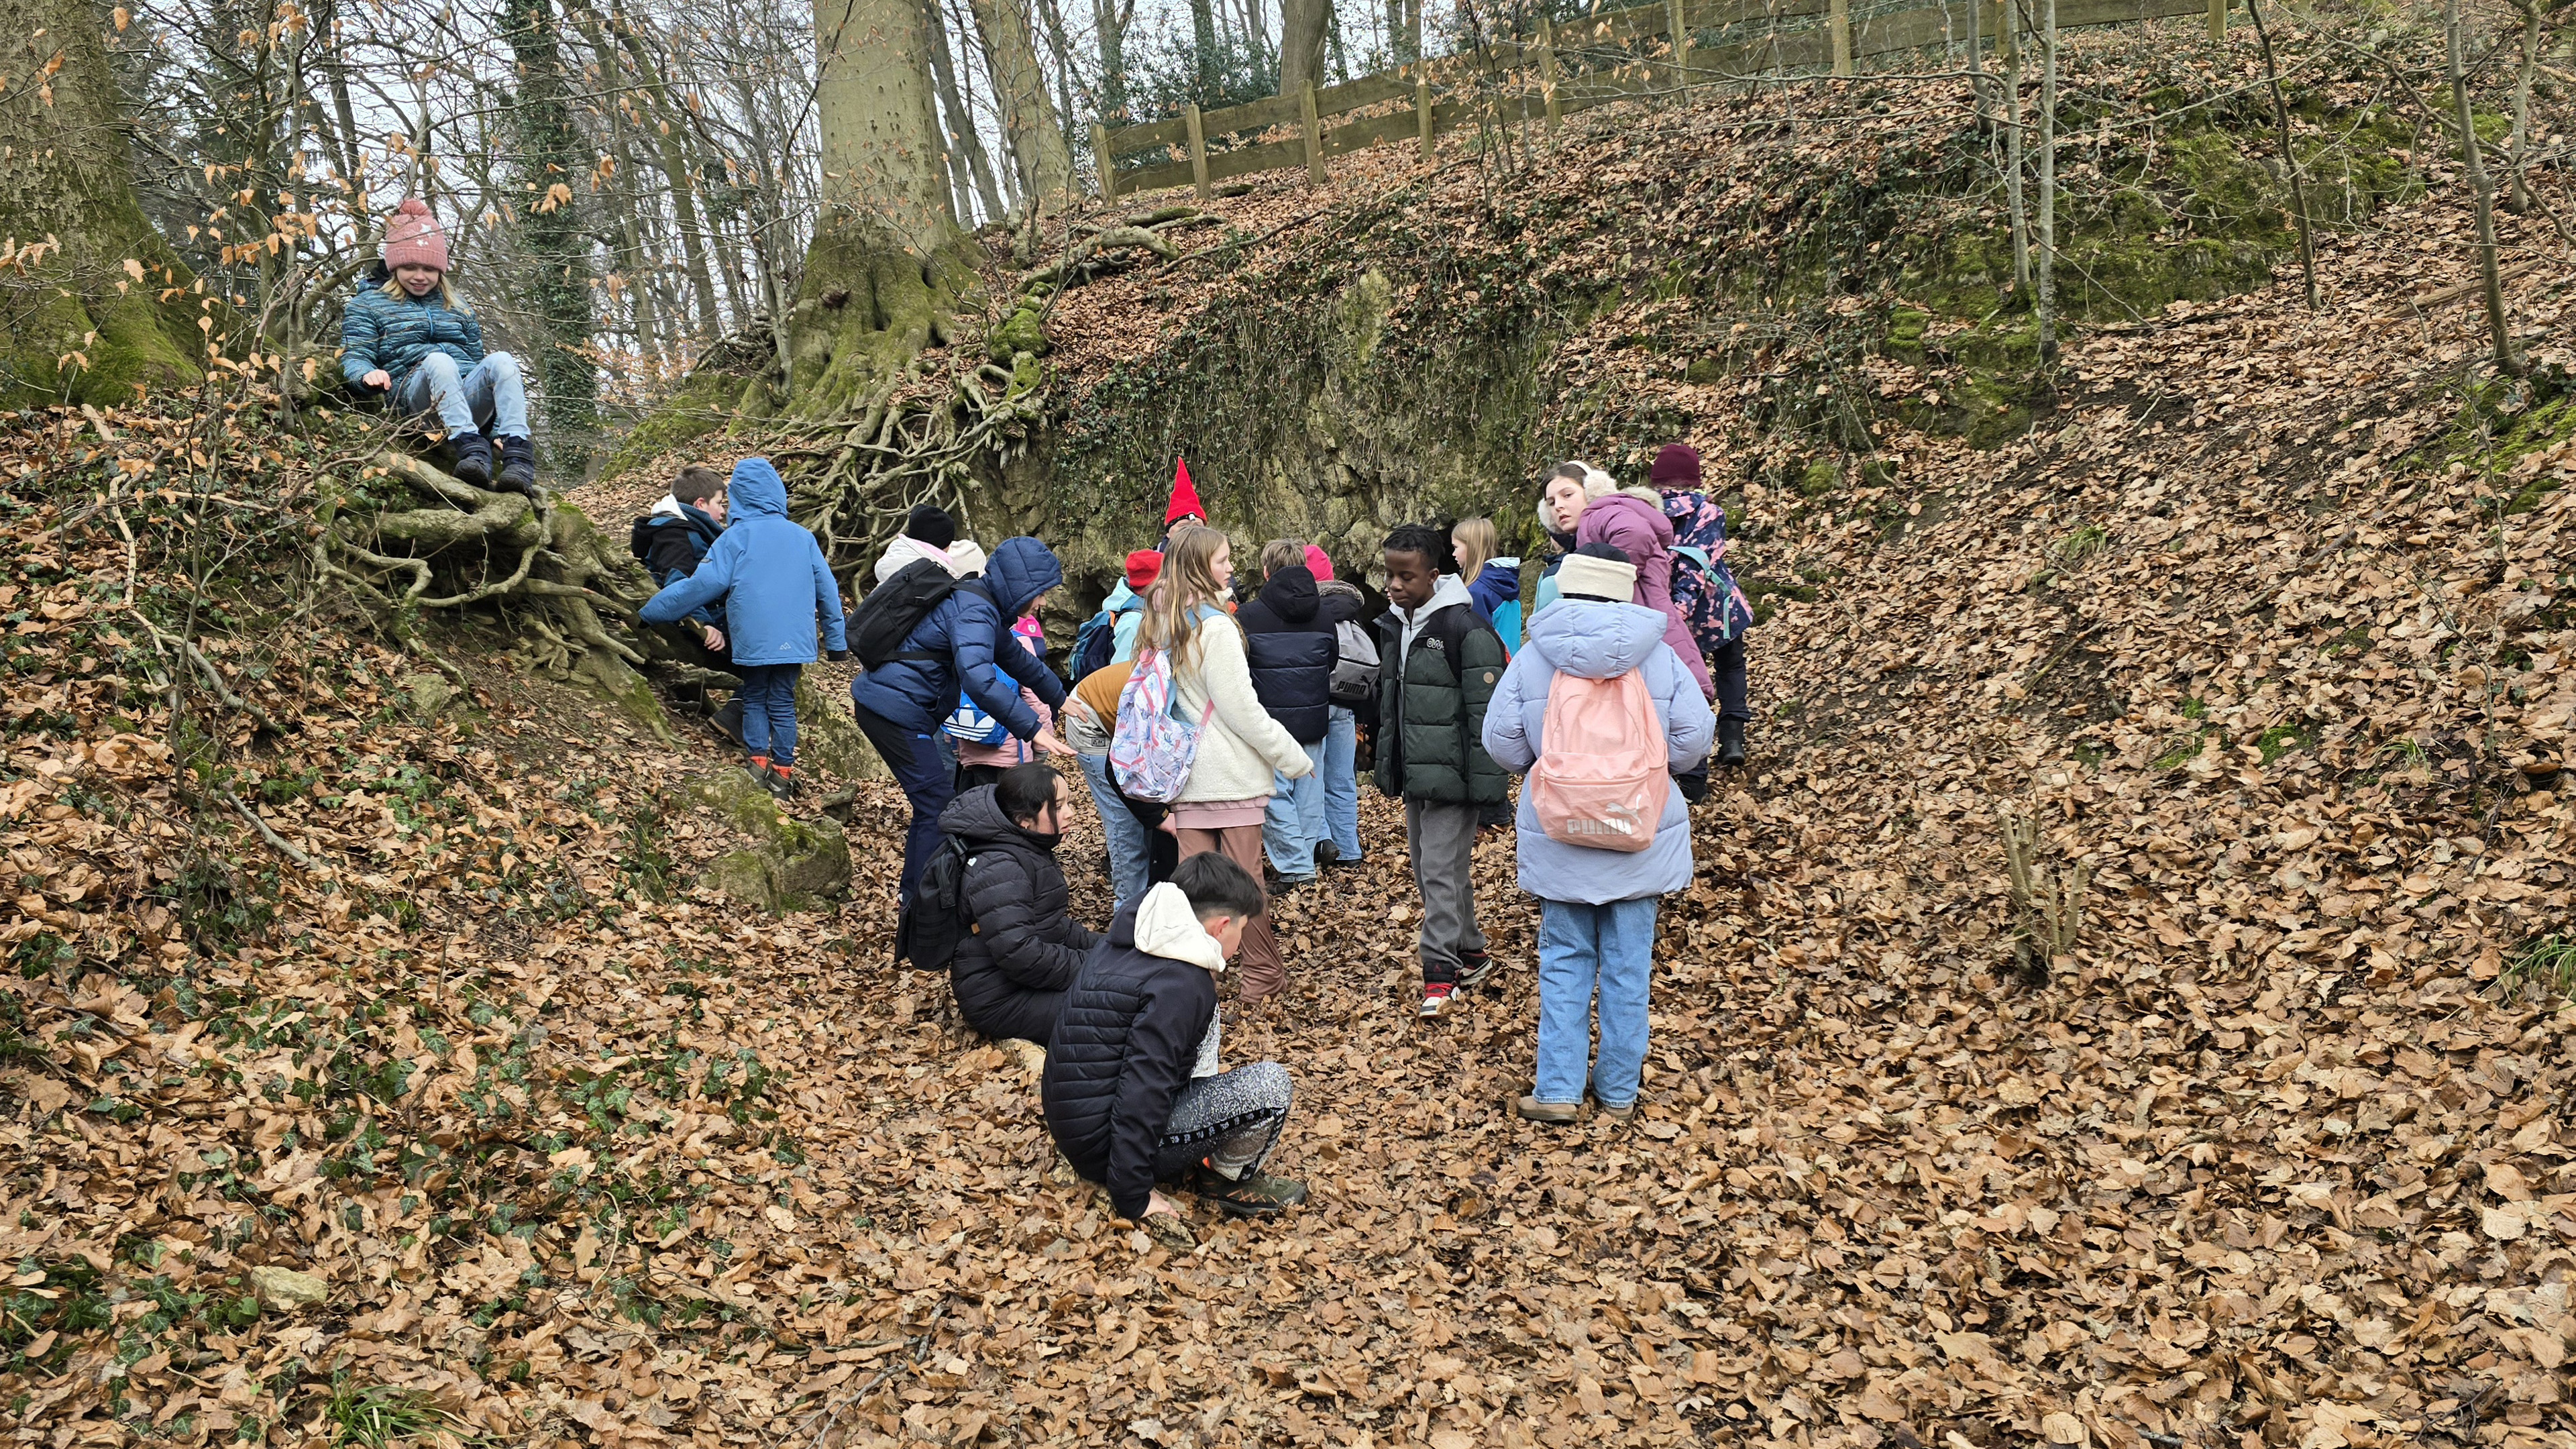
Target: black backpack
893, 609
935, 921
639, 542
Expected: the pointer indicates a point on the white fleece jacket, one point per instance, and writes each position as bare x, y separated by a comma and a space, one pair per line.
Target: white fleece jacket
1242, 744
1167, 927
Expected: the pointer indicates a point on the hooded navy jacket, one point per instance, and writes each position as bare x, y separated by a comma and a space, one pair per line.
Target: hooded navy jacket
966, 636
769, 573
1288, 641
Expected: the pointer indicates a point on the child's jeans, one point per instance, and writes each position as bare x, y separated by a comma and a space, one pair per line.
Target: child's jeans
489, 397
1586, 950
1341, 774
1130, 854
1294, 820
1442, 841
769, 711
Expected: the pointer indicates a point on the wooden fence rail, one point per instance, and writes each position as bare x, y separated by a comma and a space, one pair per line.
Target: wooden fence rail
1821, 33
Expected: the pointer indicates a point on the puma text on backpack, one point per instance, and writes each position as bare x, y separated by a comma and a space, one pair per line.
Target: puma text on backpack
934, 920
1600, 779
1355, 671
893, 609
1152, 748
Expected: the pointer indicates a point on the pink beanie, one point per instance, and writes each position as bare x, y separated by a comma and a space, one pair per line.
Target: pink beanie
413, 237
1319, 563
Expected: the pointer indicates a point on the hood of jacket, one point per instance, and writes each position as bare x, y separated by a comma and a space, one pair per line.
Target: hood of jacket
976, 817
906, 551
1291, 594
1121, 599
756, 490
1450, 590
1594, 639
1165, 926
1628, 510
1020, 570
1340, 602
689, 513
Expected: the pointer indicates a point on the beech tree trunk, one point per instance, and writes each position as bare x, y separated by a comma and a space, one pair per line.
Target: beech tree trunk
888, 260
1302, 28
96, 304
1039, 156
965, 145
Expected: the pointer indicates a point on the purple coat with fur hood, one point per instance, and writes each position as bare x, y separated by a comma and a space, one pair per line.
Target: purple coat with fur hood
1640, 530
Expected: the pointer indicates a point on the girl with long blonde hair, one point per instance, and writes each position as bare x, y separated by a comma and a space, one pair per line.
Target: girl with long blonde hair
1241, 748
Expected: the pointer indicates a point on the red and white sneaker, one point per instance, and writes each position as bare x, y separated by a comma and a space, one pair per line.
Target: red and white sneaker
1435, 995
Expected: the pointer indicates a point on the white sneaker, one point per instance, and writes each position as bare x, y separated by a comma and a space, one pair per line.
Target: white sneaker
1435, 996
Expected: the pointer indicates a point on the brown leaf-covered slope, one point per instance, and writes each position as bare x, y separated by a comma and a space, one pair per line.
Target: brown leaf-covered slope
2280, 1154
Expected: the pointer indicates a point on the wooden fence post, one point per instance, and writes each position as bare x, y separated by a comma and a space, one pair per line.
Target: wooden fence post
2217, 21
1107, 164
1314, 135
1547, 75
1422, 111
1198, 152
1839, 17
1679, 24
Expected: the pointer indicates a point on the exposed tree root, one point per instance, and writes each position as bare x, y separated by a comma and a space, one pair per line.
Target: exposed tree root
441, 543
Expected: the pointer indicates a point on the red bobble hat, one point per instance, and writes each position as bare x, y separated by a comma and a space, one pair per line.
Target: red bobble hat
413, 237
1143, 567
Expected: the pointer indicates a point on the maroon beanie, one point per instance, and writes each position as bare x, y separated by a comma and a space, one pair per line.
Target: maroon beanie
1677, 463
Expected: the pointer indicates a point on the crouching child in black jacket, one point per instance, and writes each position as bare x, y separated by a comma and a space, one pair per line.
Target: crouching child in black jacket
1132, 1090
1023, 946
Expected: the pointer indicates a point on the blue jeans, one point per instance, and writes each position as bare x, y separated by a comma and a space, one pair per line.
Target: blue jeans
489, 399
1294, 819
1583, 950
1128, 861
1341, 774
929, 783
768, 698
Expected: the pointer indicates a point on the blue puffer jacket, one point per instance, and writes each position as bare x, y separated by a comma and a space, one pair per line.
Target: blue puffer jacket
965, 637
1497, 592
395, 333
768, 571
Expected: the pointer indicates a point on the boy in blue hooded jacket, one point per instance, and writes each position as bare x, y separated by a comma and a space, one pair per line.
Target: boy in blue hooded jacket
772, 580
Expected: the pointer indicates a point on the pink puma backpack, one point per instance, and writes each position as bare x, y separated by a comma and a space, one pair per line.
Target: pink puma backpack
1601, 777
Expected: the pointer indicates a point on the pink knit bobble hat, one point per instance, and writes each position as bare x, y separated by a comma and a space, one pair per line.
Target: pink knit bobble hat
1319, 563
413, 237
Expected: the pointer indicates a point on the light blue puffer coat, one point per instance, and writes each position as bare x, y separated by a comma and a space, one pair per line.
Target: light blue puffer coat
1594, 639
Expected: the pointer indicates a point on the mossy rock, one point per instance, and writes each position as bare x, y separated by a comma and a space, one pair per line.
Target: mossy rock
790, 865
1020, 334
826, 735
1820, 477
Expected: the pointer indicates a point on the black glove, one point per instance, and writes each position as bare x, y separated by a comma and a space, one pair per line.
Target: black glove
837, 656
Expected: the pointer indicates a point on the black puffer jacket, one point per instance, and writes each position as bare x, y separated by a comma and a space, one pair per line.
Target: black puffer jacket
1288, 641
1010, 972
1123, 1049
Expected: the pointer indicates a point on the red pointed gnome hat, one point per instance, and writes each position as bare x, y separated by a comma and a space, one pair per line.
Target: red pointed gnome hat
1185, 496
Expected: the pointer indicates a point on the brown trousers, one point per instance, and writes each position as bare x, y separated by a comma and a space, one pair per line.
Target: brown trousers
1263, 970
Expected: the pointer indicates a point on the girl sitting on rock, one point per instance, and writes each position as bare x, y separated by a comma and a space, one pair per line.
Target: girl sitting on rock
414, 339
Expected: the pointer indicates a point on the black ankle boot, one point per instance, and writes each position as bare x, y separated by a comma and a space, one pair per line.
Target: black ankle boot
519, 465
473, 459
1730, 743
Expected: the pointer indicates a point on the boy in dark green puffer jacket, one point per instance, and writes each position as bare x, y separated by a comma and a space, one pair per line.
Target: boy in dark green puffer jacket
1441, 663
